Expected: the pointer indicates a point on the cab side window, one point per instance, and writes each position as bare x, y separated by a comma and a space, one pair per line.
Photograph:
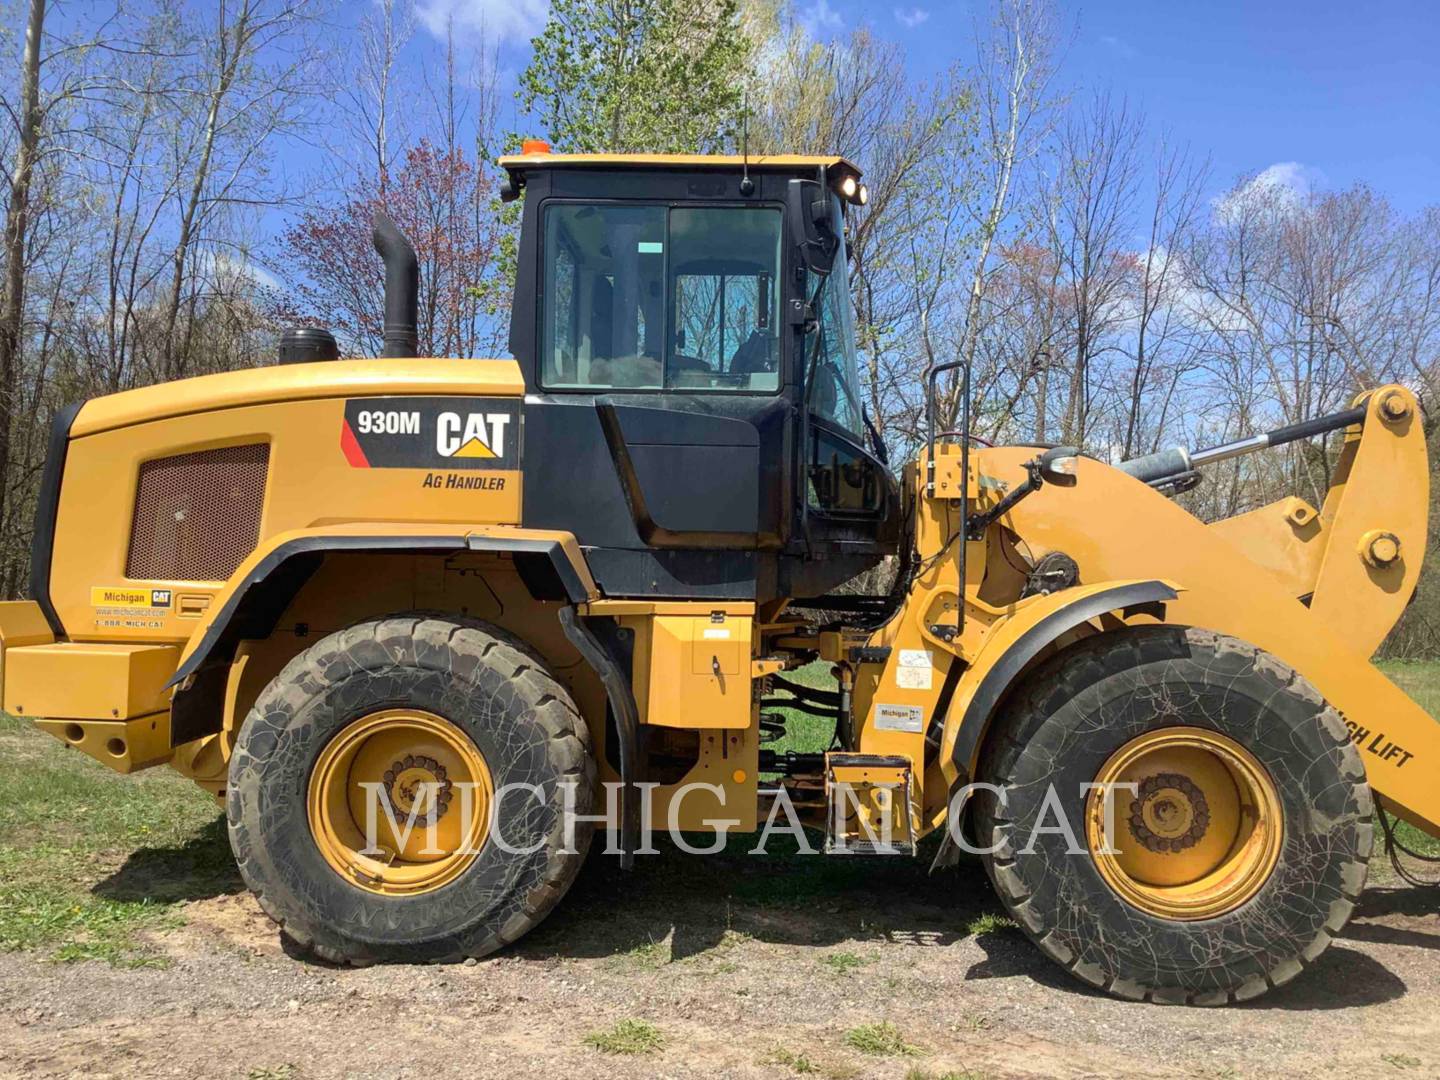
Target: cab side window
604, 312
652, 297
726, 311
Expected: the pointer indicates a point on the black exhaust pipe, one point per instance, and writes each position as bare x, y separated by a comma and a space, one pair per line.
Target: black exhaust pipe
402, 288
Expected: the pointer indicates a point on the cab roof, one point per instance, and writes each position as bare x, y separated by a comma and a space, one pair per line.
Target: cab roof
832, 164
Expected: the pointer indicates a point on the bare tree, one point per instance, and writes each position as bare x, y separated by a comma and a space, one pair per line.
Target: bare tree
17, 226
1014, 70
1165, 344
1087, 219
384, 31
254, 79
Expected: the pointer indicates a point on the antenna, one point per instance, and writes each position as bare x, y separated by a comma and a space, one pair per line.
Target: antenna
747, 186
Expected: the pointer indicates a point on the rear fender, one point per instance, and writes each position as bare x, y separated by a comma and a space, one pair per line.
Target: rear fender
260, 590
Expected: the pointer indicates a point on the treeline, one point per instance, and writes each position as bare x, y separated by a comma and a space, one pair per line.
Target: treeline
183, 178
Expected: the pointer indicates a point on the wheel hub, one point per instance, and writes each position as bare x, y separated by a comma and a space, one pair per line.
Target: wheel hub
1184, 823
421, 785
399, 801
1171, 813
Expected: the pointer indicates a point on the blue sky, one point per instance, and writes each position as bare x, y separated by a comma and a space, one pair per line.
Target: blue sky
1329, 93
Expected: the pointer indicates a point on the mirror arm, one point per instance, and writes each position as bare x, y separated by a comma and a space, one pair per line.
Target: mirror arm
1037, 470
882, 454
1032, 483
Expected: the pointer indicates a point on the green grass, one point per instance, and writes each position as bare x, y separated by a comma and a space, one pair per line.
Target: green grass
973, 1023
988, 922
796, 1063
1401, 1061
627, 1037
646, 956
880, 1040
1421, 680
91, 861
805, 1065
1418, 678
842, 963
805, 733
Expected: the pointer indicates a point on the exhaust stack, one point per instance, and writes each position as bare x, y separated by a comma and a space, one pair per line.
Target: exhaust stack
402, 287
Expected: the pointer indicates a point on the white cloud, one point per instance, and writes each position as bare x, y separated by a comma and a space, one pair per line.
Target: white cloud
1286, 184
1119, 46
499, 20
911, 17
1289, 175
820, 16
227, 270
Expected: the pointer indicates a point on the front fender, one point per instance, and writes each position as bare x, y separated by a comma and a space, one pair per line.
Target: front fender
1011, 647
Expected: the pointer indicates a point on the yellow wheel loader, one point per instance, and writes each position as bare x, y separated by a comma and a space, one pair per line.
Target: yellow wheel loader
422, 622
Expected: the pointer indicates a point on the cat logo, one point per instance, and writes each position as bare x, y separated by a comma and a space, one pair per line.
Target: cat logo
476, 435
482, 434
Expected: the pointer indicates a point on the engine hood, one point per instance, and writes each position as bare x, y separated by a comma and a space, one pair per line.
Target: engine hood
299, 382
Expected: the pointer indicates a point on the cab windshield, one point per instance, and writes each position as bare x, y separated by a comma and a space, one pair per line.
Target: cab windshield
832, 380
661, 298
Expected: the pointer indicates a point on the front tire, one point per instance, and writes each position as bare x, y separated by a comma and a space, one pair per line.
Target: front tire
1235, 858
437, 715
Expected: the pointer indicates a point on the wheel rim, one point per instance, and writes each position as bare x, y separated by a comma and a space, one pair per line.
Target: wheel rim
431, 773
1200, 832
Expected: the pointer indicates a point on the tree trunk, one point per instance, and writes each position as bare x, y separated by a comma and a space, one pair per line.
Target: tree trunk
227, 64
17, 221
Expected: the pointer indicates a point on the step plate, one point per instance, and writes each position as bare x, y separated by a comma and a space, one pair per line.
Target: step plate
869, 805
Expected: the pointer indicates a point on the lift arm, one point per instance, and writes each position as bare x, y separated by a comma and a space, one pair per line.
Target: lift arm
1356, 560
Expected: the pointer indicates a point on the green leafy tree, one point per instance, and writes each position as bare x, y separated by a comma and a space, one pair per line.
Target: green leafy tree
626, 76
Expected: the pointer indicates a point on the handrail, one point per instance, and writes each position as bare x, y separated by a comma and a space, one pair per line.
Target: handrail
931, 379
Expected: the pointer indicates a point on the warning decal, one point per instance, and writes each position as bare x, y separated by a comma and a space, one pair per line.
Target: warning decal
430, 433
915, 669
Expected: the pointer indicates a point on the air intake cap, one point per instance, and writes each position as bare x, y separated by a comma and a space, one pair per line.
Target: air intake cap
307, 345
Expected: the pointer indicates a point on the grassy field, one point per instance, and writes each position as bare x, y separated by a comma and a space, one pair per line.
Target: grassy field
89, 860
92, 863
1421, 680
805, 733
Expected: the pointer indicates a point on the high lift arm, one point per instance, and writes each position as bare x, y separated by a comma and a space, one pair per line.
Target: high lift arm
1320, 589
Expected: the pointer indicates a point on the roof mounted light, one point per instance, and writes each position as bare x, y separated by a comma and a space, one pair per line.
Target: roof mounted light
534, 146
849, 188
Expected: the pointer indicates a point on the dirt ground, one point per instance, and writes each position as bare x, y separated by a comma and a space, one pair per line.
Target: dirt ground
747, 967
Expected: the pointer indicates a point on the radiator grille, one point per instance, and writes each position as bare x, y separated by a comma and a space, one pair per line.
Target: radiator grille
197, 516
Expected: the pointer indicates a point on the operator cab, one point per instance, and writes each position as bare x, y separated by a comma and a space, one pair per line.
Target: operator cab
685, 330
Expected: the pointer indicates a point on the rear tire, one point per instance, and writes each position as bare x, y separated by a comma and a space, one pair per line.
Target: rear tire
492, 702
1084, 710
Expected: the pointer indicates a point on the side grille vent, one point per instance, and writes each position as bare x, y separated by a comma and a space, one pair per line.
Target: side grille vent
197, 516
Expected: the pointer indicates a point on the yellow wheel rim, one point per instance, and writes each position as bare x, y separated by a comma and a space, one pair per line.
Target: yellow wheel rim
430, 777
1197, 834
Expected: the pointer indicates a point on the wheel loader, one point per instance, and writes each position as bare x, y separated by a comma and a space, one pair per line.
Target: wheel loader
422, 623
